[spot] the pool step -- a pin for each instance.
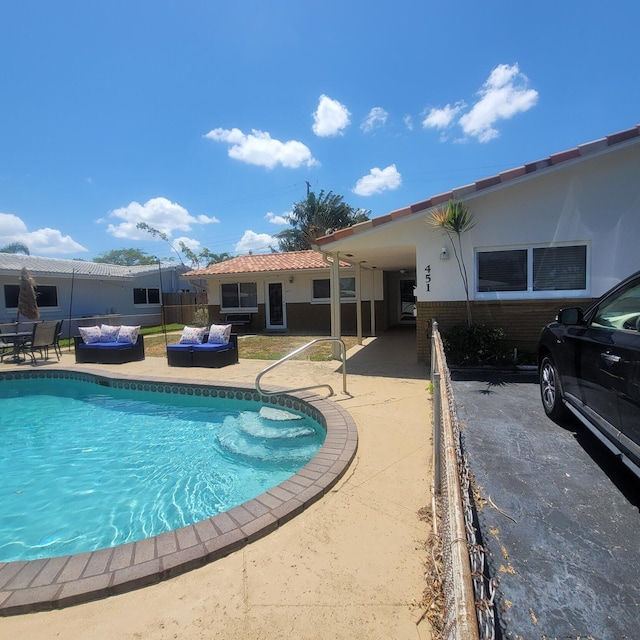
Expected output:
(276, 440)
(271, 413)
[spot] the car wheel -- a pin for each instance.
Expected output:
(550, 390)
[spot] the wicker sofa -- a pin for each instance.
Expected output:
(203, 355)
(109, 352)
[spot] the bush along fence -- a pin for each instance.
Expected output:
(469, 610)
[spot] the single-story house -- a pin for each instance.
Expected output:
(291, 292)
(81, 292)
(555, 232)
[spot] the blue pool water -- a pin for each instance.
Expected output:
(83, 467)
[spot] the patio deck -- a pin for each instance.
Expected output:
(349, 566)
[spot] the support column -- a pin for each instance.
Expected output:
(373, 301)
(336, 329)
(359, 302)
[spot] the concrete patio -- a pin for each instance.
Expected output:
(350, 566)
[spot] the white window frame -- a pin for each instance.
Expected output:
(328, 300)
(253, 309)
(530, 293)
(146, 295)
(40, 306)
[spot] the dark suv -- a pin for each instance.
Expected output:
(589, 364)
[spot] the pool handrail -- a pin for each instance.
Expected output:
(295, 352)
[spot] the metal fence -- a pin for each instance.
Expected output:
(469, 611)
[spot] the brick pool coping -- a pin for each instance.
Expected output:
(53, 583)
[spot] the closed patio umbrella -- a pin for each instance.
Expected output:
(27, 304)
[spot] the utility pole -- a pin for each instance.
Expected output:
(308, 187)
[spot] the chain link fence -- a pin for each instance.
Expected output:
(469, 611)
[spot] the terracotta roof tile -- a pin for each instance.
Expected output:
(265, 262)
(563, 156)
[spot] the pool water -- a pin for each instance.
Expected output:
(83, 467)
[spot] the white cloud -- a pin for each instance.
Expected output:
(377, 118)
(11, 228)
(503, 95)
(255, 242)
(190, 243)
(261, 149)
(276, 219)
(378, 180)
(330, 118)
(408, 122)
(159, 213)
(442, 118)
(45, 241)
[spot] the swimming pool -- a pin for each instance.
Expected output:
(110, 465)
(68, 579)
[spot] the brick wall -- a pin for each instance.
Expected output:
(315, 319)
(521, 320)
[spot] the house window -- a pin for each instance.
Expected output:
(502, 270)
(46, 296)
(322, 289)
(146, 296)
(239, 296)
(532, 269)
(560, 268)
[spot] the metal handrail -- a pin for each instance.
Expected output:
(294, 353)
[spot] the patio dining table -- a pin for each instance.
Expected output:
(18, 338)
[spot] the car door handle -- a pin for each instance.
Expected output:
(610, 358)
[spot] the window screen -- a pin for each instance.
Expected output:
(502, 270)
(139, 296)
(239, 295)
(46, 295)
(559, 268)
(322, 289)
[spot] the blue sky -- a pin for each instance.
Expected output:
(207, 119)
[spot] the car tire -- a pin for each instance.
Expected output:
(551, 390)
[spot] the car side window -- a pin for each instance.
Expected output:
(620, 311)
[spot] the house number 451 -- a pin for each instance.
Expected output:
(427, 277)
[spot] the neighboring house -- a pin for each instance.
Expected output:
(88, 292)
(290, 292)
(552, 233)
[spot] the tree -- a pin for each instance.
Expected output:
(16, 247)
(318, 216)
(456, 219)
(205, 256)
(126, 257)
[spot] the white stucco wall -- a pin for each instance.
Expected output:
(301, 289)
(594, 200)
(96, 296)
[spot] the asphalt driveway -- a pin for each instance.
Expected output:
(559, 515)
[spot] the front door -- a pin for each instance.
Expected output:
(407, 301)
(276, 310)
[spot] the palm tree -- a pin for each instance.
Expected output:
(456, 219)
(15, 247)
(318, 216)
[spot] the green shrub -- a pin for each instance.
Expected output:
(476, 345)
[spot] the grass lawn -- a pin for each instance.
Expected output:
(258, 347)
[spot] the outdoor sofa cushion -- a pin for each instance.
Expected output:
(109, 333)
(192, 335)
(90, 335)
(219, 334)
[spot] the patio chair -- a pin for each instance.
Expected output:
(43, 337)
(5, 348)
(56, 342)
